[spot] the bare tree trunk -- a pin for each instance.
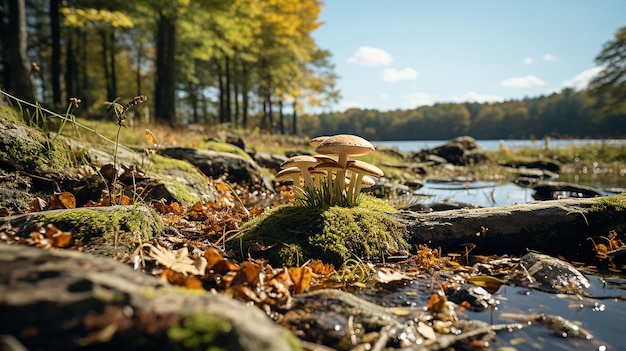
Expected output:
(294, 127)
(245, 91)
(165, 87)
(222, 94)
(56, 51)
(228, 85)
(113, 77)
(281, 118)
(105, 65)
(20, 80)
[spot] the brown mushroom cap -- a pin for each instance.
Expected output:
(367, 181)
(345, 144)
(291, 173)
(317, 140)
(365, 168)
(303, 162)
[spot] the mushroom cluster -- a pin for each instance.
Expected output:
(332, 177)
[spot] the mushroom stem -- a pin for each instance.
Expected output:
(341, 173)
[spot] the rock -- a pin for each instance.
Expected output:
(561, 190)
(108, 230)
(556, 227)
(236, 140)
(216, 164)
(269, 161)
(551, 274)
(67, 300)
(460, 151)
(477, 297)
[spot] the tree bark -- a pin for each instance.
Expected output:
(557, 227)
(56, 52)
(20, 81)
(165, 87)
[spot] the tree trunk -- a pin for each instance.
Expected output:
(236, 117)
(294, 128)
(270, 114)
(165, 87)
(222, 93)
(20, 81)
(281, 118)
(557, 227)
(228, 85)
(71, 65)
(105, 65)
(113, 77)
(244, 117)
(56, 52)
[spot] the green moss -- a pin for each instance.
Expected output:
(201, 332)
(616, 203)
(87, 223)
(225, 147)
(333, 235)
(180, 178)
(32, 148)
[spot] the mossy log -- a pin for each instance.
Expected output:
(67, 300)
(557, 227)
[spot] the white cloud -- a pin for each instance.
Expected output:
(368, 56)
(472, 96)
(523, 82)
(528, 60)
(549, 57)
(581, 80)
(414, 100)
(393, 75)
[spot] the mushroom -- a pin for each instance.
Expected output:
(317, 175)
(344, 145)
(329, 167)
(303, 162)
(291, 173)
(361, 169)
(317, 140)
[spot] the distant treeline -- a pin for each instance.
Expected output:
(567, 114)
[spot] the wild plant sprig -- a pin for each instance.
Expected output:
(77, 124)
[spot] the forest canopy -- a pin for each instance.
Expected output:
(255, 65)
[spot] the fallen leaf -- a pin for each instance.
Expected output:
(178, 260)
(301, 277)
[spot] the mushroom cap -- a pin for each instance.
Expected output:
(345, 144)
(325, 158)
(287, 173)
(317, 140)
(358, 166)
(368, 181)
(332, 165)
(300, 161)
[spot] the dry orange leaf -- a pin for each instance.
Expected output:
(64, 200)
(38, 204)
(213, 257)
(250, 272)
(301, 277)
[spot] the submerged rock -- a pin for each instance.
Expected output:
(560, 190)
(551, 274)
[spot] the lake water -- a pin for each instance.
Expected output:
(494, 144)
(603, 317)
(492, 194)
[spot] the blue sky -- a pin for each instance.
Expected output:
(401, 54)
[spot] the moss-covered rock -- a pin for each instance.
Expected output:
(333, 235)
(106, 222)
